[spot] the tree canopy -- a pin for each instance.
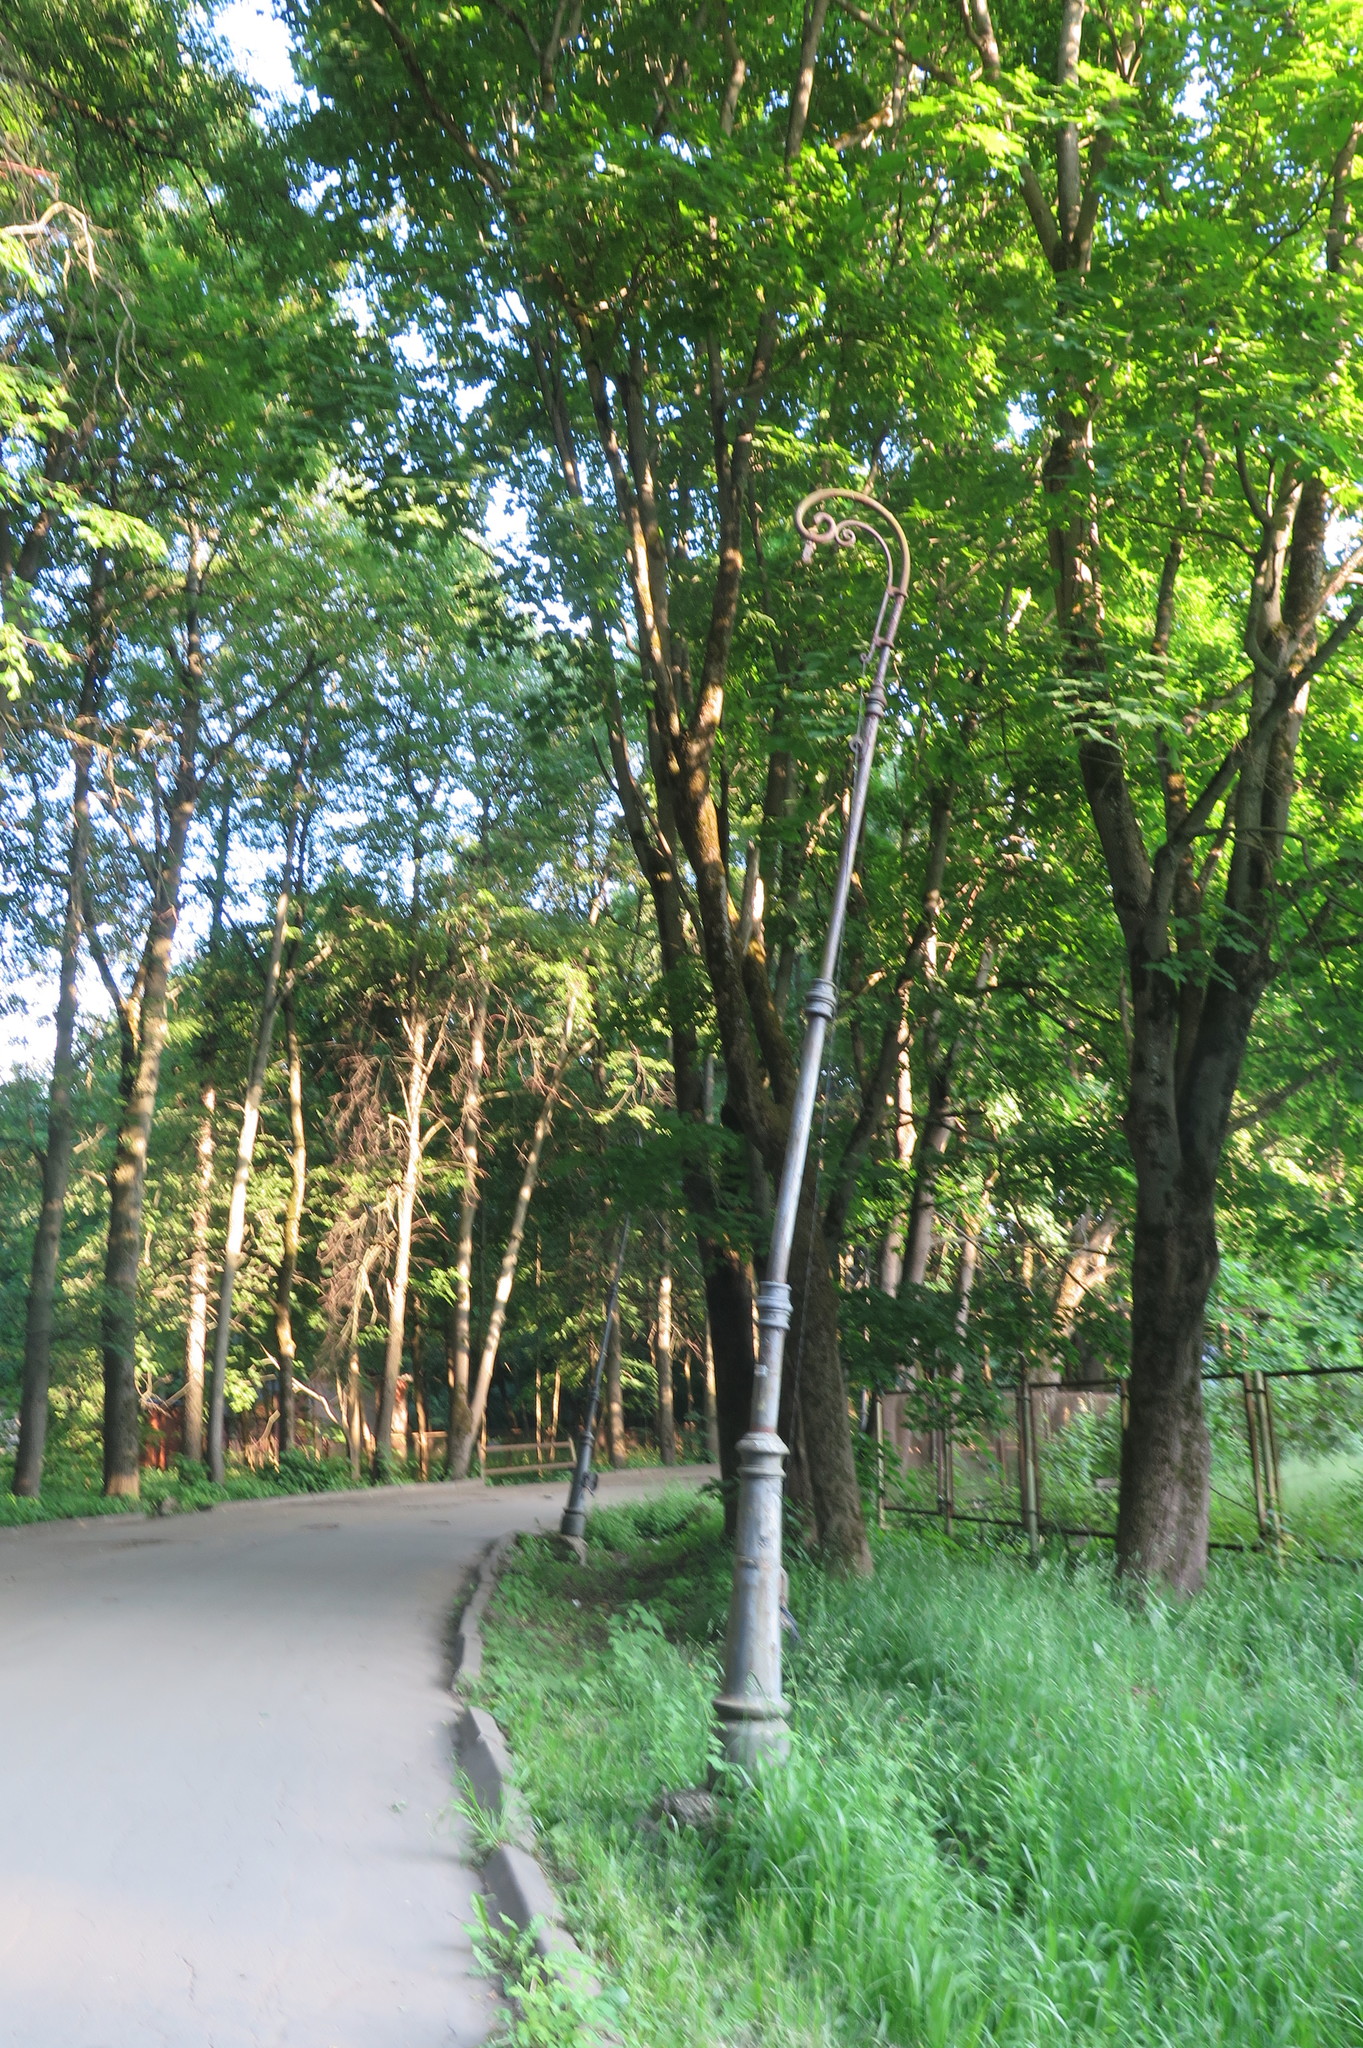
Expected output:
(420, 722)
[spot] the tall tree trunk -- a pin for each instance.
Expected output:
(814, 1399)
(615, 1400)
(1164, 1503)
(420, 1063)
(935, 1133)
(902, 1139)
(61, 1122)
(469, 1129)
(196, 1325)
(711, 1410)
(506, 1278)
(285, 1348)
(355, 1415)
(730, 1357)
(147, 1032)
(667, 1428)
(250, 1124)
(729, 1306)
(1083, 1273)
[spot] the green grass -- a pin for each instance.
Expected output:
(74, 1492)
(1016, 1813)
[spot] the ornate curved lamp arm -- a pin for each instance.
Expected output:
(819, 526)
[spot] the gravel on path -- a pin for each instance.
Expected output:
(225, 1772)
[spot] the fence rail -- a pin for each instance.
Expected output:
(532, 1464)
(1010, 1466)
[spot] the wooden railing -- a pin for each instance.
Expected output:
(527, 1461)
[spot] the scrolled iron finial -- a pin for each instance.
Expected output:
(818, 525)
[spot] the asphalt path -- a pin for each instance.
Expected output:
(225, 1773)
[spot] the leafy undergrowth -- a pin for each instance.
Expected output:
(73, 1494)
(1015, 1814)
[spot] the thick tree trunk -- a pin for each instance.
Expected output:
(61, 1122)
(285, 1349)
(196, 1325)
(458, 1360)
(144, 1042)
(1165, 1497)
(128, 1174)
(127, 1186)
(814, 1400)
(418, 1075)
(729, 1303)
(667, 1427)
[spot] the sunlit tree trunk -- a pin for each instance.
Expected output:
(469, 1128)
(463, 1447)
(711, 1418)
(285, 1348)
(354, 1408)
(667, 1428)
(250, 1125)
(196, 1325)
(423, 1052)
(615, 1399)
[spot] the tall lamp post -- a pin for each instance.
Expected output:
(751, 1710)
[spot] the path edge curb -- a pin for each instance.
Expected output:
(513, 1878)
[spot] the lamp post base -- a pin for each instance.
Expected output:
(753, 1732)
(751, 1711)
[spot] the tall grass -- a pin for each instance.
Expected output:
(1015, 1814)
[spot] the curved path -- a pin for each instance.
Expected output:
(225, 1773)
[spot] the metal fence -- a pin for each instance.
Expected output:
(1287, 1462)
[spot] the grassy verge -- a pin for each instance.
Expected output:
(76, 1493)
(1015, 1814)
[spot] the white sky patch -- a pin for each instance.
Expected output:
(28, 1035)
(259, 43)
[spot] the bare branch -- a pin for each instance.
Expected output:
(1267, 1104)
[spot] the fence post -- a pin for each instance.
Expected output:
(1271, 1473)
(880, 1461)
(1255, 1453)
(1027, 1468)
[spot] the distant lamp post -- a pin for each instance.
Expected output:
(574, 1522)
(751, 1710)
